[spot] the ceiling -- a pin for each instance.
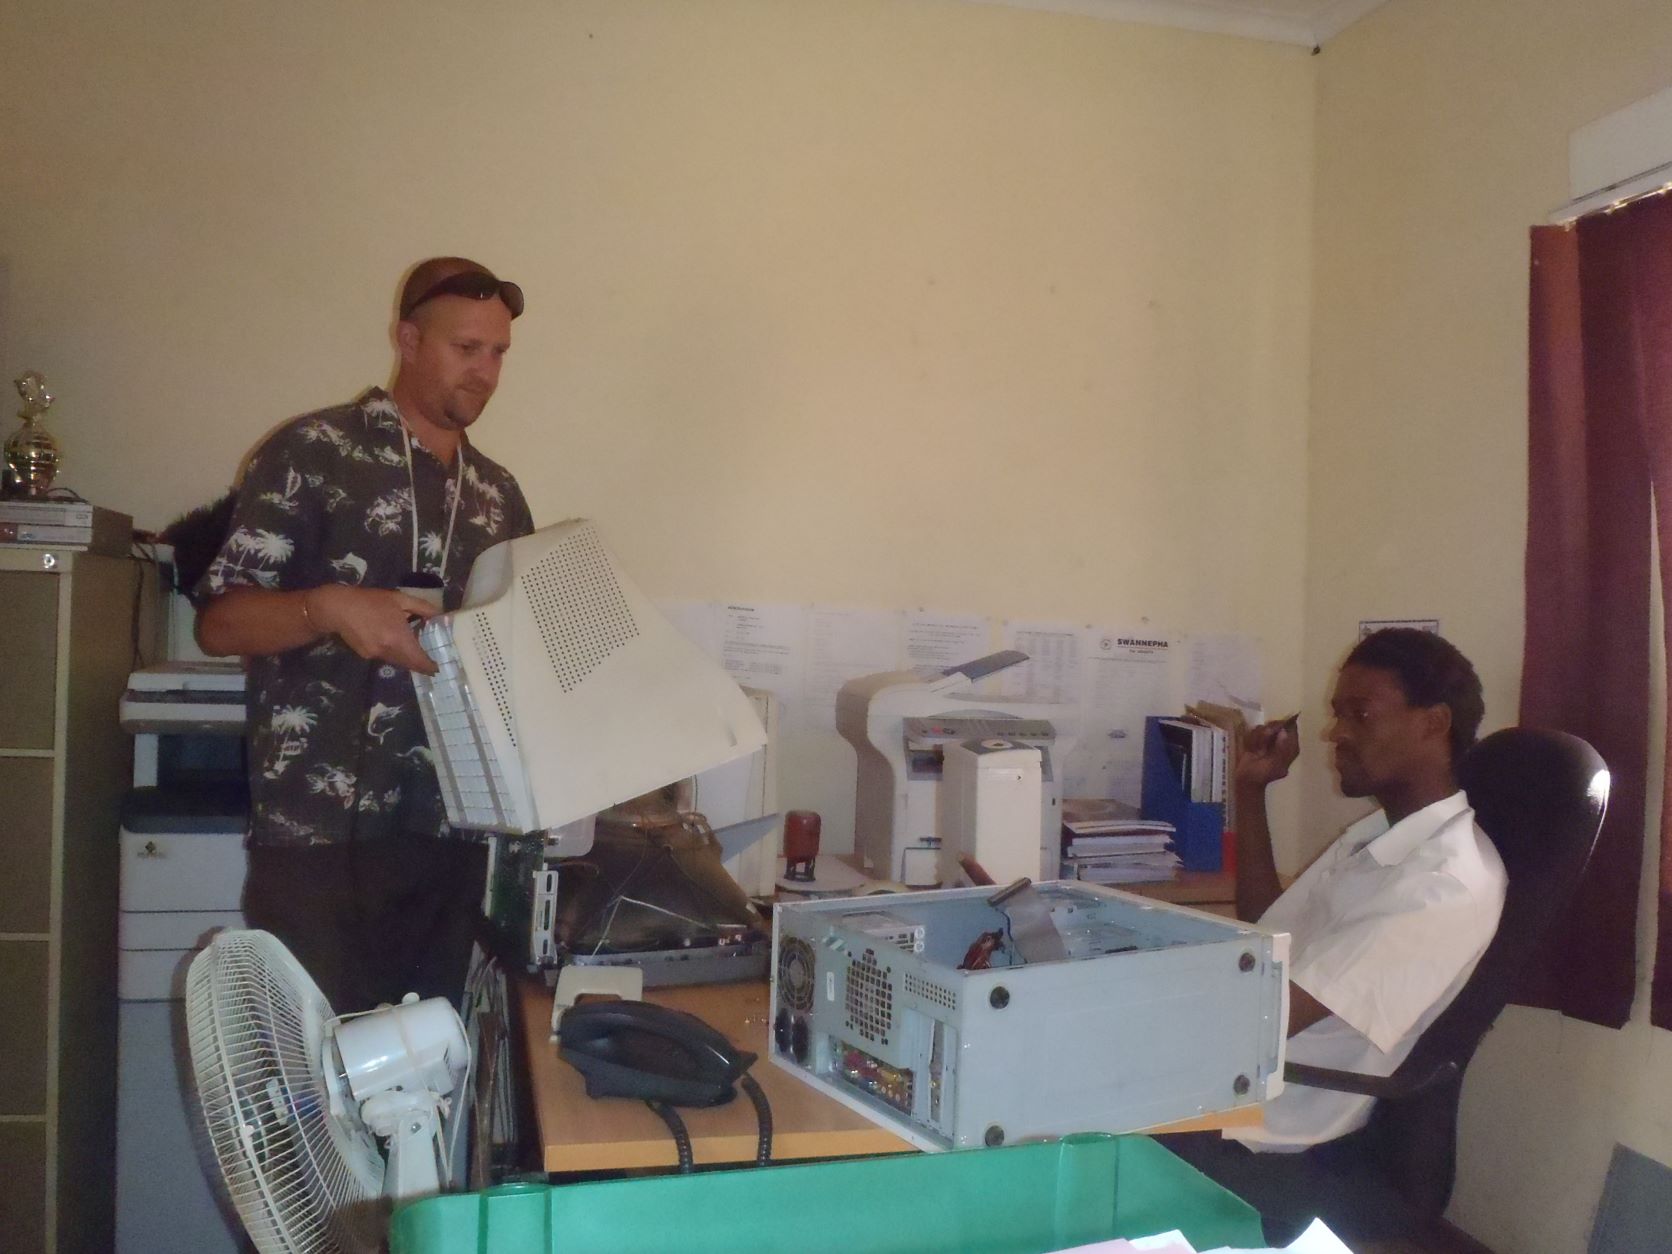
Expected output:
(1310, 23)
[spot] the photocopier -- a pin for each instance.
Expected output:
(181, 870)
(910, 728)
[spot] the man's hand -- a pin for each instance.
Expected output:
(374, 622)
(1268, 751)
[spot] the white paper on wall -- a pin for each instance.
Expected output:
(843, 644)
(1126, 678)
(764, 646)
(1052, 671)
(1111, 678)
(942, 641)
(1225, 669)
(697, 621)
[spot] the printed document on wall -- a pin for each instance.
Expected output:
(1052, 671)
(942, 641)
(843, 644)
(1127, 678)
(697, 621)
(764, 646)
(1225, 669)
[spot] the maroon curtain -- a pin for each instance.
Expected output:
(1651, 274)
(1600, 442)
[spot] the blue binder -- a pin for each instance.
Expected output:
(1199, 826)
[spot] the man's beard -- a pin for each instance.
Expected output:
(465, 407)
(1350, 779)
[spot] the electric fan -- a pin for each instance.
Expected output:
(293, 1097)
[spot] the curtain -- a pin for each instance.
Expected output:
(1600, 450)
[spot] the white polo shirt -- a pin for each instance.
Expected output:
(1386, 927)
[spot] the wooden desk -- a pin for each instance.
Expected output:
(1212, 891)
(578, 1133)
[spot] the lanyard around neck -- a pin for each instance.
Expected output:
(452, 513)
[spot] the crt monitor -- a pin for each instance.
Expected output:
(562, 691)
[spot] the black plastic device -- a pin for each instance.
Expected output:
(638, 1049)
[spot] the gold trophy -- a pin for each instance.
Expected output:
(32, 456)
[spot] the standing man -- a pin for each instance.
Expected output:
(1388, 924)
(350, 524)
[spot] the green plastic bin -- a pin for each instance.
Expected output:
(1026, 1198)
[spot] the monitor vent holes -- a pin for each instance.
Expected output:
(579, 607)
(493, 663)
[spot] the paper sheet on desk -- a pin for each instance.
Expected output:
(1163, 1243)
(1317, 1239)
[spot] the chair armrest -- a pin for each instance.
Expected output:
(1395, 1086)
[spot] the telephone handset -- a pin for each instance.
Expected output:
(639, 1049)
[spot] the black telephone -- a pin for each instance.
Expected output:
(638, 1049)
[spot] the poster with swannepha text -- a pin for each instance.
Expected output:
(1128, 676)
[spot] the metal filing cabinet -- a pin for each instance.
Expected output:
(70, 625)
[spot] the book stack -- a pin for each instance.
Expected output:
(1105, 842)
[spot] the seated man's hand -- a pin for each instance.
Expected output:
(1268, 751)
(374, 622)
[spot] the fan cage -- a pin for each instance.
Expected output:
(302, 1179)
(795, 973)
(870, 997)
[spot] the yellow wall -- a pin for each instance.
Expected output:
(1442, 136)
(878, 302)
(821, 288)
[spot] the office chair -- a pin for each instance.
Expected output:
(1539, 796)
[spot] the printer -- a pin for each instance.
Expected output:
(900, 724)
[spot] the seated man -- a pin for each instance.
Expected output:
(1386, 925)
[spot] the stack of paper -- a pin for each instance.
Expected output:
(1123, 868)
(1105, 842)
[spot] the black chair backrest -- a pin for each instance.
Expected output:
(1539, 796)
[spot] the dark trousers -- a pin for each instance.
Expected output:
(1329, 1181)
(372, 920)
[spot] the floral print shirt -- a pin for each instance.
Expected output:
(336, 742)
